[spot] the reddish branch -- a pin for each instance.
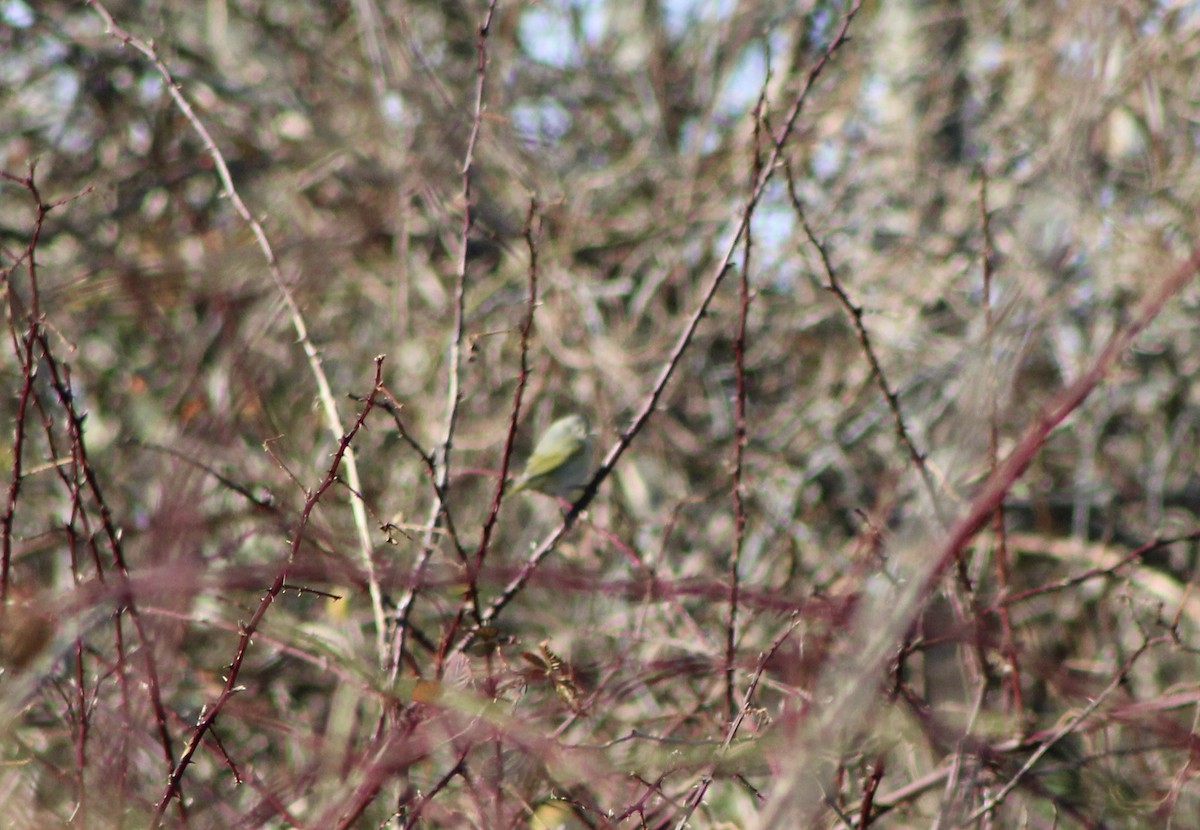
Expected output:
(36, 349)
(210, 713)
(1009, 645)
(739, 407)
(992, 494)
(489, 523)
(453, 392)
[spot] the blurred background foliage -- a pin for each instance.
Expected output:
(346, 125)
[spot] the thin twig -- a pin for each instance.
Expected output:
(333, 420)
(1072, 581)
(454, 367)
(739, 415)
(510, 439)
(855, 312)
(82, 478)
(683, 341)
(1061, 732)
(1009, 644)
(246, 633)
(702, 786)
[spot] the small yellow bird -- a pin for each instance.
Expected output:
(561, 460)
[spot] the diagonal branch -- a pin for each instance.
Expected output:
(773, 161)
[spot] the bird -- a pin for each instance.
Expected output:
(561, 460)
